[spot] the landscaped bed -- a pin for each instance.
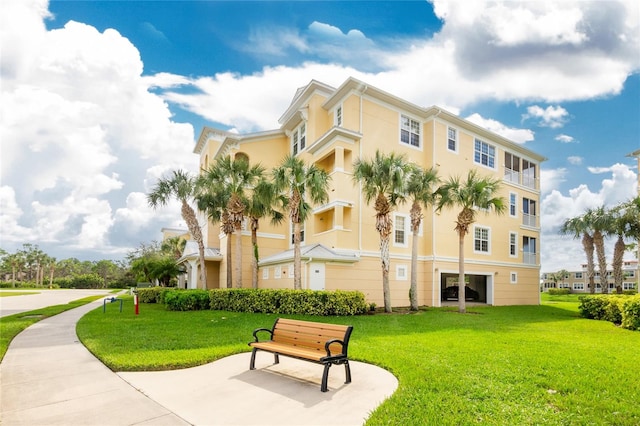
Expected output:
(494, 365)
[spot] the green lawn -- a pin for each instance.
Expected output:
(16, 293)
(517, 365)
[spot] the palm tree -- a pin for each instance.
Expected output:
(235, 178)
(173, 246)
(600, 222)
(383, 180)
(181, 186)
(420, 188)
(471, 194)
(580, 227)
(625, 223)
(296, 181)
(265, 202)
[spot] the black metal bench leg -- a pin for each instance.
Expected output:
(252, 364)
(276, 358)
(347, 371)
(325, 378)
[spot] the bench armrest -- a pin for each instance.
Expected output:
(330, 342)
(256, 331)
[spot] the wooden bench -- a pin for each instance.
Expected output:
(317, 342)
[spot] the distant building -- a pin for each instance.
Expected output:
(578, 282)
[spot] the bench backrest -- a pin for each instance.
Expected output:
(312, 335)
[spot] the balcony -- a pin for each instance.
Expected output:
(529, 258)
(530, 220)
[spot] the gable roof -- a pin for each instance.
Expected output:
(317, 252)
(190, 252)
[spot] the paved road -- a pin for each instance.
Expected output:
(10, 305)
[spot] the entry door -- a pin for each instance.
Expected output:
(316, 274)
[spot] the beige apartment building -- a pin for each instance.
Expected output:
(331, 128)
(578, 281)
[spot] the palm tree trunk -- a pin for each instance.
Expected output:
(462, 308)
(254, 257)
(413, 292)
(598, 241)
(587, 244)
(297, 257)
(229, 263)
(618, 255)
(384, 257)
(194, 228)
(238, 258)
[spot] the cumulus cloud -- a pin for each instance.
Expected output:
(575, 160)
(516, 135)
(564, 138)
(550, 116)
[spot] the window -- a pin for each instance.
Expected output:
(401, 272)
(277, 272)
(513, 204)
(291, 271)
(578, 286)
(481, 239)
(513, 244)
(265, 273)
(529, 212)
(299, 139)
(511, 167)
(513, 277)
(452, 139)
(528, 174)
(628, 286)
(484, 154)
(578, 275)
(409, 131)
(400, 223)
(529, 250)
(338, 117)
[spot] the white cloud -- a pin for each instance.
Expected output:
(564, 138)
(550, 179)
(575, 160)
(550, 116)
(516, 135)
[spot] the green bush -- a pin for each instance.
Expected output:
(292, 302)
(559, 291)
(631, 313)
(87, 281)
(151, 294)
(593, 307)
(186, 300)
(613, 309)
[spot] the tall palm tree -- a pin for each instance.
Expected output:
(383, 180)
(297, 181)
(265, 202)
(182, 186)
(579, 227)
(421, 189)
(236, 178)
(600, 222)
(475, 192)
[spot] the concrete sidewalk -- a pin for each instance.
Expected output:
(48, 377)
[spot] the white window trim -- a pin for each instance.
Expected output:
(515, 195)
(513, 277)
(407, 229)
(338, 116)
(290, 271)
(456, 139)
(265, 273)
(488, 252)
(515, 255)
(495, 154)
(420, 130)
(402, 273)
(277, 272)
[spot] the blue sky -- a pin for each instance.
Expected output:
(99, 99)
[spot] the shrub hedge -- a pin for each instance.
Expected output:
(186, 300)
(559, 291)
(280, 301)
(618, 309)
(151, 294)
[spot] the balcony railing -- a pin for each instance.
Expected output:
(530, 220)
(529, 258)
(511, 175)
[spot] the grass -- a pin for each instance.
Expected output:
(16, 293)
(11, 325)
(510, 365)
